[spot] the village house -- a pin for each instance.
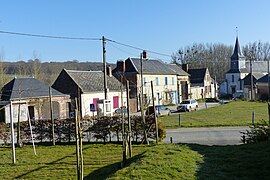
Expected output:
(166, 81)
(88, 88)
(202, 84)
(30, 97)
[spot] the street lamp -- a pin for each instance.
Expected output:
(143, 56)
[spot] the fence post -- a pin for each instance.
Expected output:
(179, 120)
(252, 118)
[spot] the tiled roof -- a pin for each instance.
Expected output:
(93, 81)
(152, 66)
(26, 88)
(178, 70)
(257, 66)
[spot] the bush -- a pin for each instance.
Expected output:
(257, 133)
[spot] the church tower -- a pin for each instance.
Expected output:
(237, 72)
(237, 59)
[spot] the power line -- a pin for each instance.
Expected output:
(138, 48)
(81, 38)
(49, 36)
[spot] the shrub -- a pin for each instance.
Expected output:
(257, 133)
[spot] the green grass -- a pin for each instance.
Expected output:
(237, 113)
(163, 161)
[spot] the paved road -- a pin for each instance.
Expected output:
(206, 136)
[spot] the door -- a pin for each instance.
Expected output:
(31, 112)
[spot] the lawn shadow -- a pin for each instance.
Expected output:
(107, 171)
(41, 167)
(233, 161)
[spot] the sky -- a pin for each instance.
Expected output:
(154, 25)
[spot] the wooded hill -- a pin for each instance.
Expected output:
(44, 71)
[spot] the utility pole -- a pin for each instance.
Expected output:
(268, 80)
(251, 78)
(51, 113)
(143, 56)
(104, 67)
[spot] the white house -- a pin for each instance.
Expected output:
(88, 88)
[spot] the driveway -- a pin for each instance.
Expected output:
(206, 135)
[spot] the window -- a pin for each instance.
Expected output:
(172, 80)
(156, 81)
(232, 78)
(144, 81)
(166, 80)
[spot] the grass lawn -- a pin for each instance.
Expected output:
(238, 113)
(163, 161)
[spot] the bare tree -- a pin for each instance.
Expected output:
(3, 76)
(215, 57)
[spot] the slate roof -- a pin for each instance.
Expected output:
(244, 70)
(197, 75)
(28, 88)
(178, 70)
(263, 79)
(93, 81)
(152, 67)
(247, 79)
(237, 50)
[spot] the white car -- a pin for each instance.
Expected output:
(188, 105)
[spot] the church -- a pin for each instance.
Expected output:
(241, 78)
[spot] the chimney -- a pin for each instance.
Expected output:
(185, 67)
(121, 66)
(109, 71)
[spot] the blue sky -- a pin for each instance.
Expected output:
(156, 25)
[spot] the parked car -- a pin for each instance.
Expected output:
(188, 105)
(160, 110)
(120, 110)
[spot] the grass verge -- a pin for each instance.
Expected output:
(238, 113)
(163, 161)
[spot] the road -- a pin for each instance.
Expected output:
(206, 136)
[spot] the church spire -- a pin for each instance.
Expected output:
(237, 51)
(237, 59)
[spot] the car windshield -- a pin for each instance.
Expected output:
(185, 102)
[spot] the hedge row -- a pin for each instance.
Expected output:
(107, 129)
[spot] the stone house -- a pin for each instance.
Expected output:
(165, 81)
(30, 96)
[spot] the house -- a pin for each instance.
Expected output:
(240, 68)
(164, 79)
(88, 88)
(31, 96)
(183, 82)
(263, 87)
(202, 84)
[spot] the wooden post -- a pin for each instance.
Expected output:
(155, 115)
(12, 134)
(51, 113)
(129, 122)
(77, 142)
